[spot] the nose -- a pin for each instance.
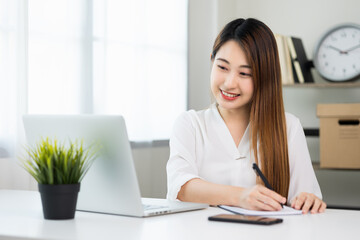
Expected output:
(230, 81)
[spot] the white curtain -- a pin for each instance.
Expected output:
(95, 57)
(13, 90)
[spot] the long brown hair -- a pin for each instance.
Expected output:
(267, 115)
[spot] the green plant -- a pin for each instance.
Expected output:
(50, 162)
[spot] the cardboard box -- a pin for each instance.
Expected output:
(339, 135)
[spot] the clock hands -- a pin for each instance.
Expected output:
(352, 48)
(346, 51)
(336, 49)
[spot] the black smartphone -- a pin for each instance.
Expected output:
(245, 219)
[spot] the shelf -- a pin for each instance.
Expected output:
(323, 85)
(317, 167)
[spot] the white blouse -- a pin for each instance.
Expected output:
(201, 146)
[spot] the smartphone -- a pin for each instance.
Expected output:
(245, 219)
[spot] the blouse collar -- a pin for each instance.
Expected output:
(238, 152)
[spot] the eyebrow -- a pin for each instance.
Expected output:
(226, 61)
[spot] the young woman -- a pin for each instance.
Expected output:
(212, 151)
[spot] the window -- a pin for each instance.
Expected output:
(109, 57)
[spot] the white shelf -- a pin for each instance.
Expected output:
(323, 85)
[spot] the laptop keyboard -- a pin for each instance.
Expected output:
(151, 207)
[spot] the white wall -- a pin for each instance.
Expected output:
(150, 165)
(307, 19)
(202, 32)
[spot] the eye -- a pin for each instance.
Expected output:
(222, 67)
(244, 74)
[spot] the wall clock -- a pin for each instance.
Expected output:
(337, 54)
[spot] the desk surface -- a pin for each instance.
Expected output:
(21, 218)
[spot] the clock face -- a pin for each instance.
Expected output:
(337, 56)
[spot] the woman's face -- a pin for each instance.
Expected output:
(231, 77)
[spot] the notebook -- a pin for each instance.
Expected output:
(285, 211)
(111, 184)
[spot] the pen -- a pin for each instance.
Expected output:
(263, 178)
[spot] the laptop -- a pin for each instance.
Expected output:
(110, 186)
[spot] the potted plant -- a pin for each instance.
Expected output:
(58, 169)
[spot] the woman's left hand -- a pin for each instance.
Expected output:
(308, 201)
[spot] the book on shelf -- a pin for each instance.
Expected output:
(294, 60)
(287, 76)
(295, 67)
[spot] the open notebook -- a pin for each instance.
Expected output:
(285, 211)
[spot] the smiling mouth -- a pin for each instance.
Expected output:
(230, 95)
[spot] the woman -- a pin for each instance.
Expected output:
(212, 151)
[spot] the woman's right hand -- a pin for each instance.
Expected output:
(261, 198)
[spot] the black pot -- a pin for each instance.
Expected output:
(59, 201)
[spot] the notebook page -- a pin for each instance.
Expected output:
(285, 211)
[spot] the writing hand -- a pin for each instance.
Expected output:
(261, 198)
(307, 201)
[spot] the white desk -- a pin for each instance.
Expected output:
(21, 218)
